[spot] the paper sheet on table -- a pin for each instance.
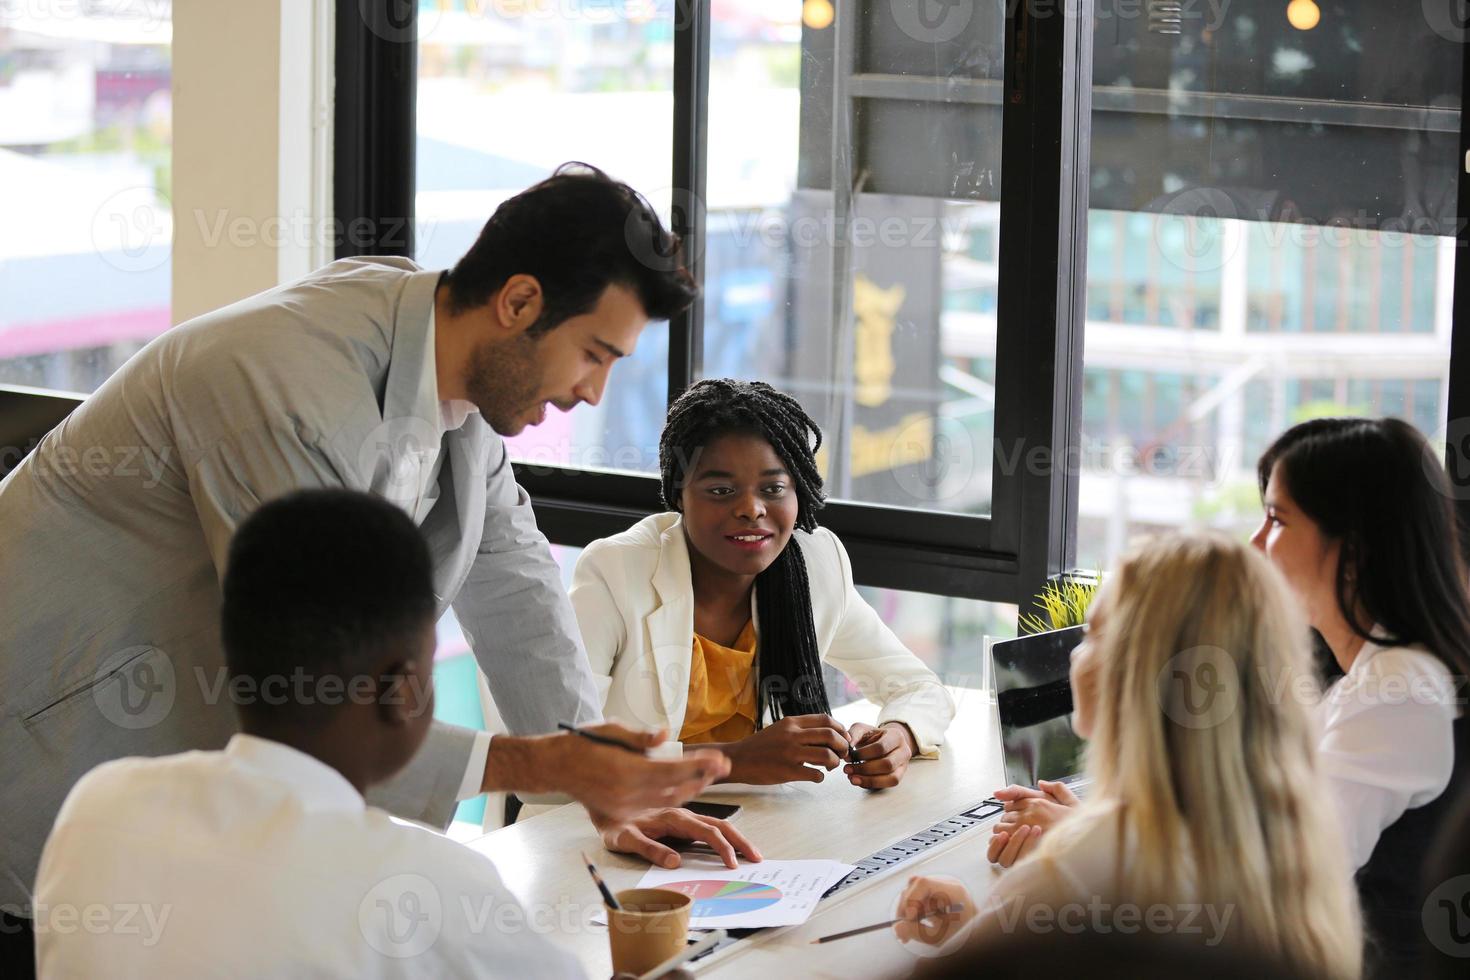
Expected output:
(752, 896)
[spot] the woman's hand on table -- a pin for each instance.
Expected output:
(882, 753)
(1028, 813)
(933, 910)
(786, 751)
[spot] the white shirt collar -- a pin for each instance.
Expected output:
(454, 411)
(317, 785)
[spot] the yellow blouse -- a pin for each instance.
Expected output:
(721, 690)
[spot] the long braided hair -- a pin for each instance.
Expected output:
(788, 663)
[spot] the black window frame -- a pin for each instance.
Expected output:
(1030, 535)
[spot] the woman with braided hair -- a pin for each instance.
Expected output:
(714, 620)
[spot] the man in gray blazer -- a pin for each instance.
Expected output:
(370, 374)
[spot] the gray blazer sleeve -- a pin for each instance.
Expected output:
(257, 465)
(426, 790)
(518, 620)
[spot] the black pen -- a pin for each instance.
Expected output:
(607, 896)
(599, 739)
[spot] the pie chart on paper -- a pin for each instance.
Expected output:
(717, 898)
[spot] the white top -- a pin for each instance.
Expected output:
(634, 601)
(263, 861)
(1388, 740)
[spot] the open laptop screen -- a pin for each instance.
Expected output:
(1034, 704)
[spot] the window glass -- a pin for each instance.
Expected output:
(85, 166)
(506, 93)
(873, 309)
(1270, 240)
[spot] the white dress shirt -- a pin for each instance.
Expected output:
(1387, 740)
(262, 861)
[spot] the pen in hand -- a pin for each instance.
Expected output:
(861, 930)
(599, 739)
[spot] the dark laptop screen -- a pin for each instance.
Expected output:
(1034, 702)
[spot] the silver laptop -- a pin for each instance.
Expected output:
(1033, 693)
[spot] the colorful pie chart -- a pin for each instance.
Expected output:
(716, 898)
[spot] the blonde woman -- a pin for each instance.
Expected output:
(1205, 797)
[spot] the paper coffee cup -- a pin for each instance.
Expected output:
(651, 926)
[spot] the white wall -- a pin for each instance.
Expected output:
(251, 155)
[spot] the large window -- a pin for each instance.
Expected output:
(867, 291)
(1216, 221)
(1271, 239)
(506, 93)
(85, 159)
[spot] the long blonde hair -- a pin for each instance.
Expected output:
(1201, 741)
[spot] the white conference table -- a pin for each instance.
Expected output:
(539, 861)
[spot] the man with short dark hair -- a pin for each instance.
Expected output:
(372, 375)
(263, 859)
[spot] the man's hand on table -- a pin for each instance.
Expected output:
(603, 778)
(639, 835)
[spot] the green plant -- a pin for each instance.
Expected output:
(1063, 604)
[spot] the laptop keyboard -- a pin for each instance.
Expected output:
(916, 844)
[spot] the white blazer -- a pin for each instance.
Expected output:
(635, 604)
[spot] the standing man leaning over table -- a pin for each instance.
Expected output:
(370, 374)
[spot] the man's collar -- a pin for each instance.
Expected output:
(318, 786)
